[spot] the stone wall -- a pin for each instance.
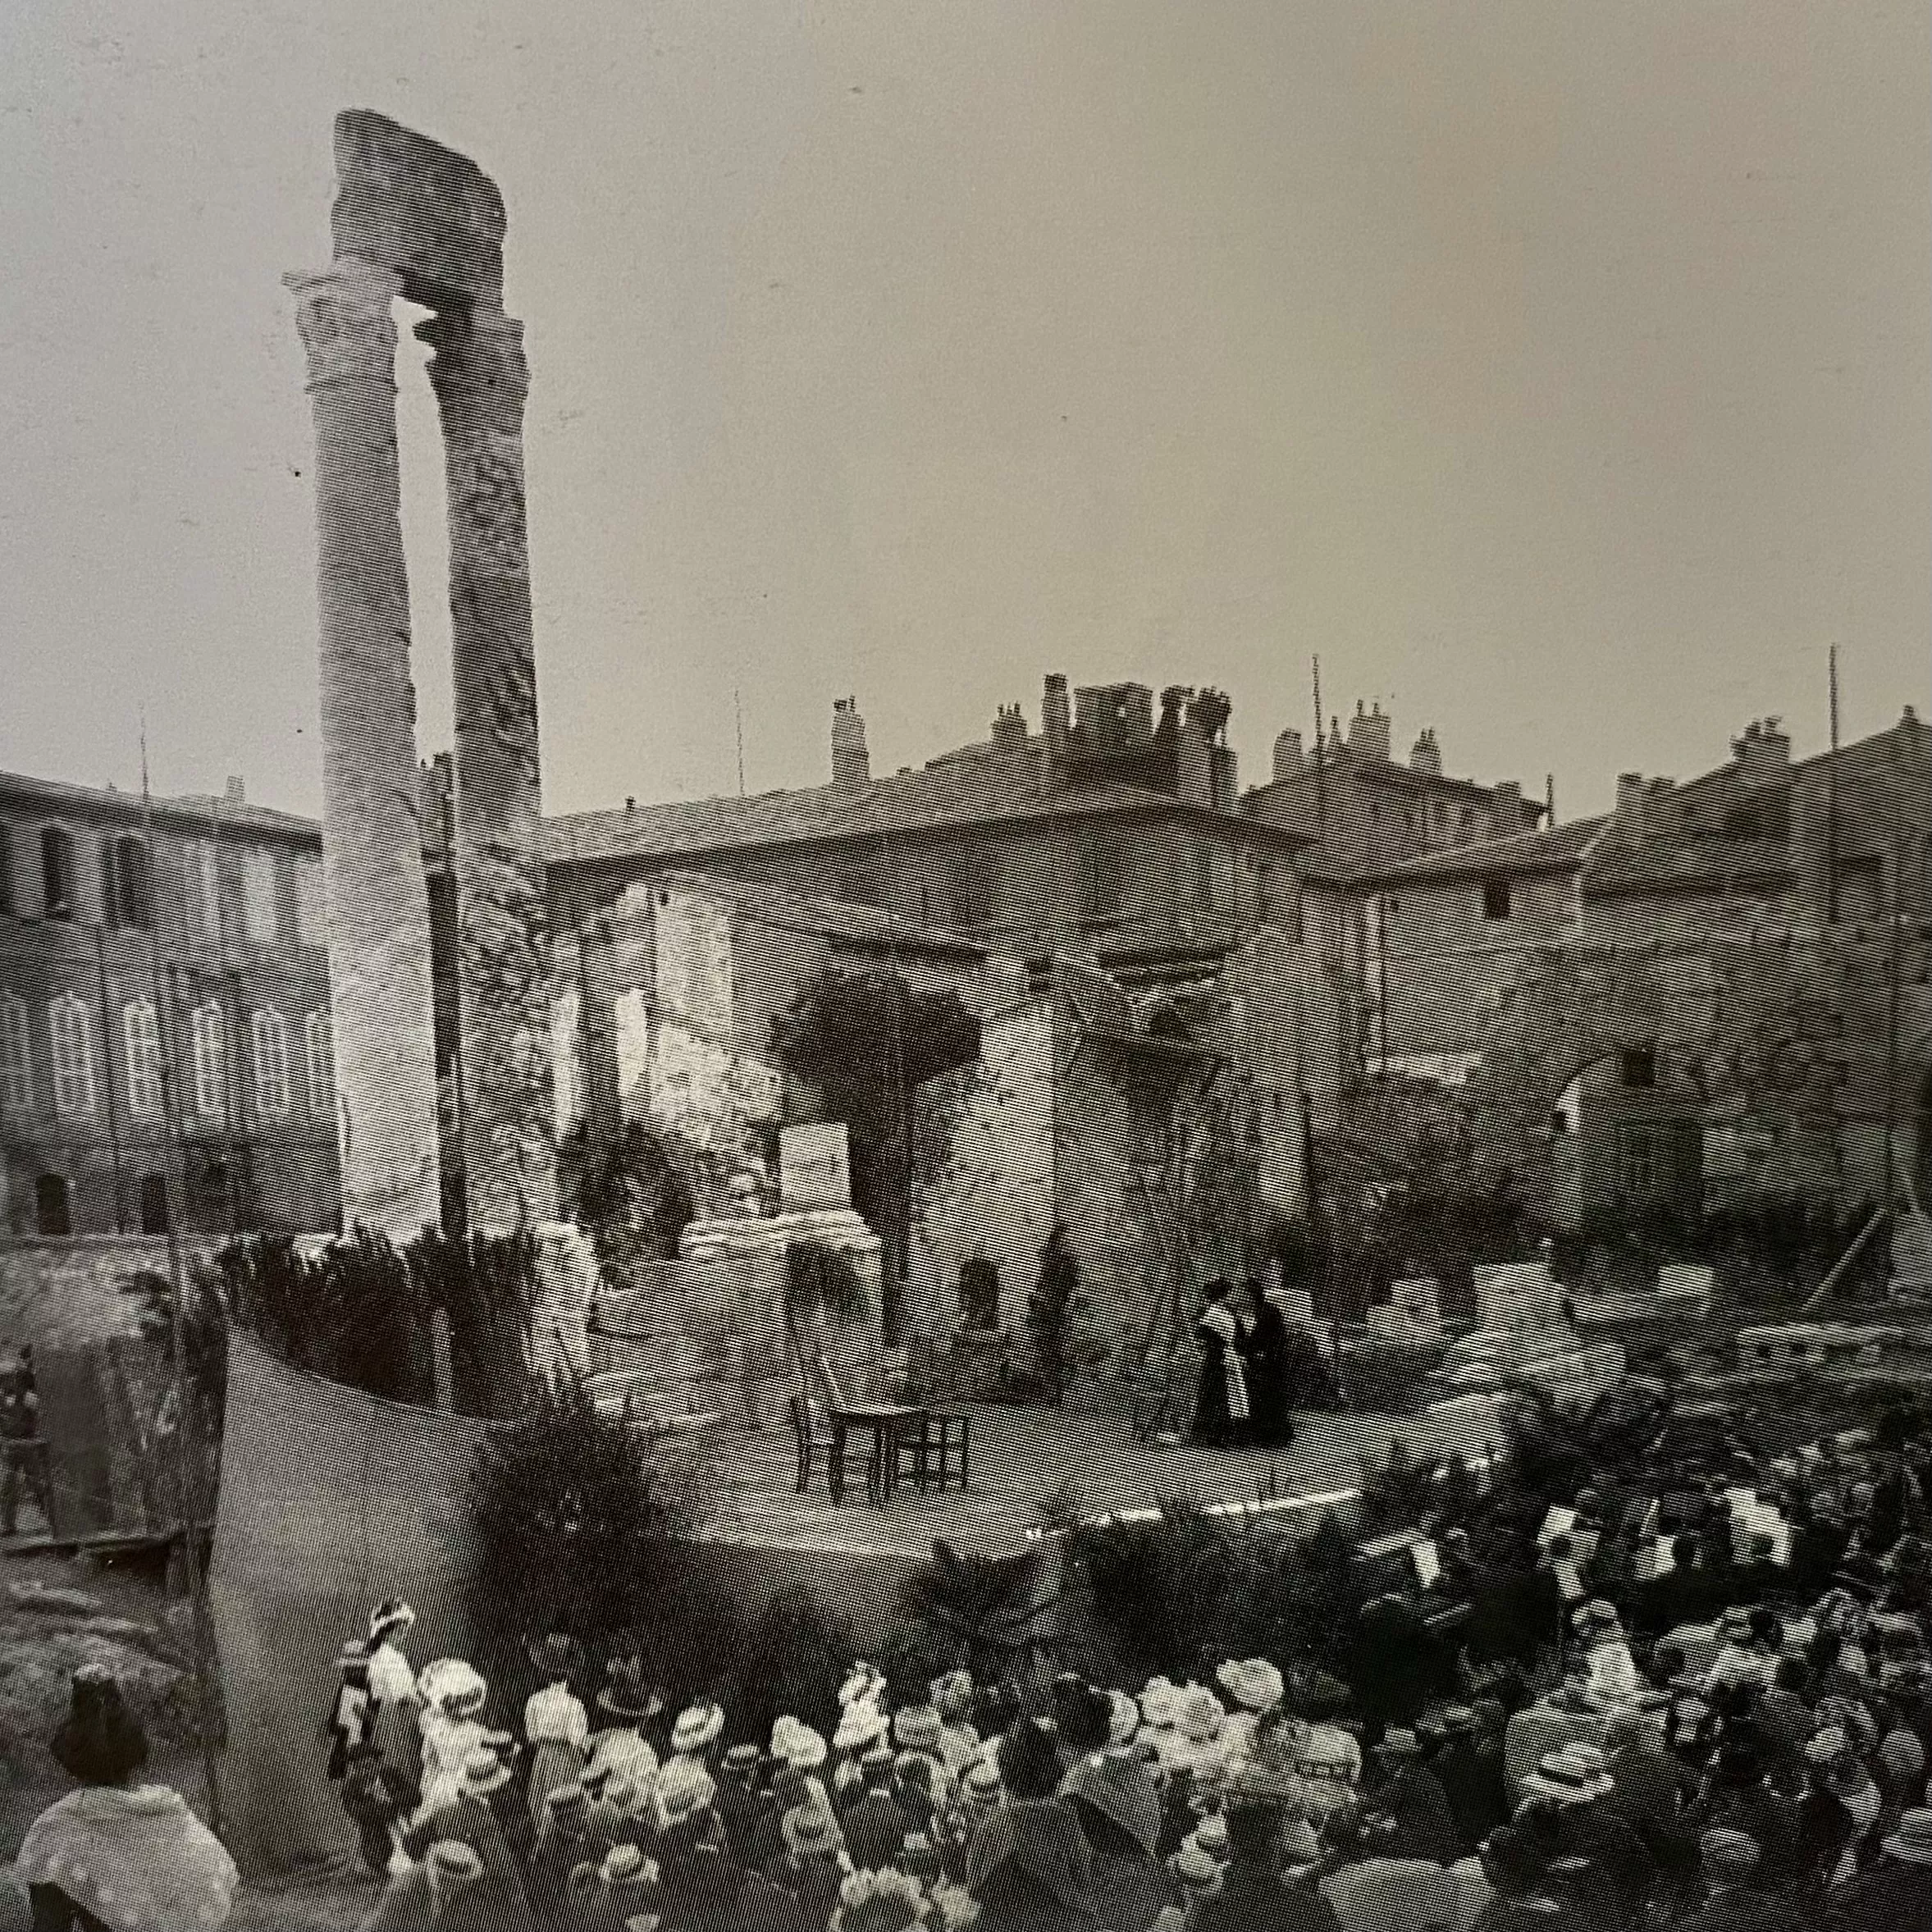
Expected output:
(66, 1294)
(994, 1196)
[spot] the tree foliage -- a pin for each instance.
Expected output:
(866, 1042)
(986, 1611)
(576, 1525)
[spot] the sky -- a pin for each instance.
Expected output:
(1560, 372)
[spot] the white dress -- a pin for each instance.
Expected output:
(1613, 1672)
(557, 1727)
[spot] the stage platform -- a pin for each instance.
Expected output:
(1025, 1459)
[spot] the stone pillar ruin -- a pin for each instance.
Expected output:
(378, 910)
(414, 219)
(509, 1133)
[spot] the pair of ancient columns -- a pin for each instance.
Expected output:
(372, 838)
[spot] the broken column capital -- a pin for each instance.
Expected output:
(345, 313)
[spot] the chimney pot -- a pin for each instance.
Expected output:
(237, 792)
(1369, 734)
(1287, 754)
(851, 764)
(1505, 809)
(1427, 756)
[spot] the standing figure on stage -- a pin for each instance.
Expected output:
(1221, 1404)
(1265, 1364)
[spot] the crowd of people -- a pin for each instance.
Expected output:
(1633, 1706)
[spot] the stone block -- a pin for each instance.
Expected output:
(815, 1168)
(409, 204)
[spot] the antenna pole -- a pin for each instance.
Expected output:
(187, 1407)
(1321, 760)
(738, 717)
(1831, 814)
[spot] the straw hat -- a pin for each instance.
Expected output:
(567, 1802)
(798, 1745)
(1210, 1835)
(1123, 1718)
(684, 1789)
(1458, 1720)
(1569, 1777)
(859, 1724)
(1253, 1682)
(460, 1689)
(742, 1760)
(483, 1772)
(1399, 1743)
(625, 1865)
(1202, 1714)
(391, 1617)
(627, 1695)
(917, 1728)
(354, 1655)
(810, 1831)
(1828, 1746)
(451, 1859)
(697, 1726)
(1198, 1875)
(1912, 1841)
(1160, 1704)
(981, 1779)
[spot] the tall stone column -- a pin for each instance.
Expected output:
(378, 905)
(509, 1124)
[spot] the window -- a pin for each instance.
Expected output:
(72, 1031)
(1468, 822)
(127, 897)
(1149, 1126)
(322, 1066)
(1495, 899)
(1639, 1067)
(142, 1039)
(56, 872)
(154, 1203)
(1264, 892)
(16, 1065)
(272, 1064)
(209, 1033)
(259, 877)
(6, 868)
(53, 1204)
(972, 887)
(311, 927)
(1637, 1162)
(1101, 869)
(202, 878)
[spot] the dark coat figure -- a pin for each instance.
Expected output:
(1472, 1781)
(1266, 1358)
(1418, 1808)
(1253, 1899)
(1220, 1413)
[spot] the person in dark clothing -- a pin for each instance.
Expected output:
(1523, 1901)
(741, 1806)
(874, 1827)
(1221, 1399)
(1898, 1892)
(1029, 1866)
(1741, 1800)
(1253, 1896)
(1265, 1350)
(1412, 1799)
(1735, 1896)
(1471, 1778)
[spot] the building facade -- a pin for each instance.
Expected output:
(1720, 990)
(208, 938)
(1109, 833)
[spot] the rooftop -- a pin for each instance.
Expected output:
(995, 788)
(832, 918)
(1559, 848)
(189, 812)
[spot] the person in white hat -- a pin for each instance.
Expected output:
(1565, 1816)
(1255, 1685)
(1201, 1720)
(698, 1728)
(1611, 1671)
(556, 1724)
(959, 1739)
(393, 1701)
(627, 1703)
(445, 1893)
(451, 1727)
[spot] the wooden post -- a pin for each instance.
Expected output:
(439, 1348)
